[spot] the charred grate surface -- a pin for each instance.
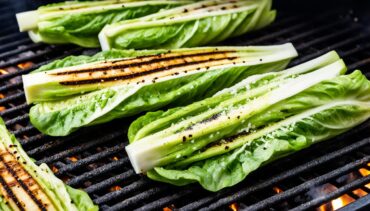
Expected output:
(94, 158)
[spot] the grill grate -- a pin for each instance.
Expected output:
(98, 163)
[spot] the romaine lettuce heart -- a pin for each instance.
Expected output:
(80, 22)
(67, 109)
(197, 24)
(33, 187)
(218, 141)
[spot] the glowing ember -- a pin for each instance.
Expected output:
(3, 72)
(277, 190)
(115, 158)
(364, 172)
(115, 188)
(25, 65)
(336, 203)
(54, 169)
(341, 201)
(2, 108)
(234, 207)
(359, 192)
(73, 159)
(169, 208)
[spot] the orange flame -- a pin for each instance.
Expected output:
(341, 201)
(2, 108)
(359, 192)
(54, 169)
(277, 189)
(3, 72)
(73, 159)
(336, 203)
(364, 172)
(25, 65)
(115, 188)
(115, 158)
(234, 207)
(169, 208)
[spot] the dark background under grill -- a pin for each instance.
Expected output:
(94, 158)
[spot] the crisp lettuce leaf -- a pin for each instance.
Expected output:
(51, 191)
(232, 167)
(197, 24)
(80, 22)
(194, 132)
(220, 140)
(61, 117)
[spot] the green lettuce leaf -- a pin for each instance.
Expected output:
(220, 140)
(51, 191)
(80, 22)
(61, 117)
(197, 24)
(231, 168)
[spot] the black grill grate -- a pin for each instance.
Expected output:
(94, 158)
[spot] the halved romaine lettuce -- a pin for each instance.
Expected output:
(155, 66)
(179, 85)
(80, 22)
(26, 186)
(197, 24)
(220, 140)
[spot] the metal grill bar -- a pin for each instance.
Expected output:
(113, 180)
(21, 72)
(80, 148)
(311, 183)
(101, 170)
(342, 190)
(107, 152)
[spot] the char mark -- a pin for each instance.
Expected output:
(22, 184)
(153, 59)
(135, 75)
(11, 194)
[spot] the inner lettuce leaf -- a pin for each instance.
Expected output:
(80, 22)
(197, 24)
(58, 195)
(61, 117)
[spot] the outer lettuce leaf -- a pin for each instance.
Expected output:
(197, 24)
(80, 23)
(53, 187)
(59, 118)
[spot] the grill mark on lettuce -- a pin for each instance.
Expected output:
(117, 65)
(12, 169)
(224, 141)
(139, 74)
(10, 193)
(213, 117)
